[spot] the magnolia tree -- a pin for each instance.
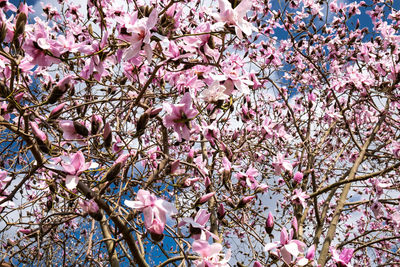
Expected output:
(200, 133)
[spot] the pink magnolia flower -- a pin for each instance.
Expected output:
(69, 132)
(4, 179)
(88, 206)
(280, 164)
(38, 42)
(199, 224)
(203, 199)
(287, 249)
(248, 178)
(342, 260)
(299, 197)
(155, 210)
(139, 35)
(396, 149)
(309, 258)
(235, 16)
(39, 134)
(179, 116)
(210, 254)
(74, 165)
(269, 225)
(298, 176)
(214, 92)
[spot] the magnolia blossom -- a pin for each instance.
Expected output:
(342, 260)
(155, 210)
(299, 197)
(179, 116)
(139, 35)
(280, 164)
(198, 225)
(214, 93)
(210, 254)
(75, 165)
(4, 179)
(235, 16)
(287, 249)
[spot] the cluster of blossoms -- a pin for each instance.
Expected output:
(217, 123)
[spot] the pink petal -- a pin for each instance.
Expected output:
(71, 181)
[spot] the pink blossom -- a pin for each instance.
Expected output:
(88, 206)
(287, 249)
(299, 197)
(4, 179)
(37, 132)
(298, 176)
(342, 260)
(74, 165)
(269, 225)
(211, 256)
(205, 198)
(69, 132)
(155, 210)
(235, 16)
(139, 35)
(280, 164)
(199, 222)
(179, 116)
(214, 93)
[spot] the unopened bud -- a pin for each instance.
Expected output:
(3, 31)
(4, 90)
(81, 129)
(107, 135)
(21, 20)
(56, 112)
(55, 94)
(244, 201)
(96, 123)
(221, 211)
(18, 97)
(269, 225)
(40, 137)
(154, 112)
(142, 123)
(60, 89)
(113, 172)
(205, 198)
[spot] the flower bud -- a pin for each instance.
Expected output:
(221, 211)
(81, 129)
(96, 123)
(113, 172)
(154, 112)
(39, 134)
(107, 135)
(21, 20)
(244, 201)
(3, 31)
(269, 225)
(142, 123)
(18, 97)
(257, 264)
(56, 112)
(40, 137)
(205, 198)
(60, 89)
(4, 90)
